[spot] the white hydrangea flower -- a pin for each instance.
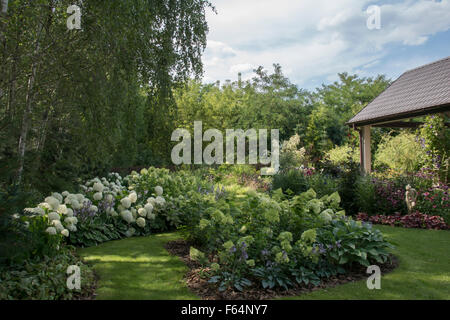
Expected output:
(98, 196)
(37, 210)
(159, 190)
(133, 212)
(72, 227)
(80, 197)
(151, 200)
(62, 209)
(148, 207)
(130, 232)
(45, 205)
(53, 202)
(58, 225)
(65, 193)
(127, 216)
(57, 196)
(70, 197)
(98, 186)
(53, 216)
(160, 201)
(109, 198)
(65, 232)
(75, 204)
(140, 222)
(144, 171)
(51, 230)
(151, 216)
(69, 212)
(70, 220)
(142, 212)
(133, 197)
(126, 202)
(94, 208)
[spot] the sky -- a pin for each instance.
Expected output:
(314, 40)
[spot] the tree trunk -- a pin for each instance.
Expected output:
(29, 100)
(4, 6)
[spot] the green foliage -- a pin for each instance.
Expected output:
(366, 198)
(292, 155)
(292, 181)
(341, 155)
(333, 106)
(44, 279)
(349, 242)
(402, 153)
(258, 237)
(434, 136)
(81, 102)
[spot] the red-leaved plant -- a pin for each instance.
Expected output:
(414, 220)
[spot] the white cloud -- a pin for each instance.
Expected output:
(313, 39)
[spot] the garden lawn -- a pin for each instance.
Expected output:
(140, 268)
(423, 273)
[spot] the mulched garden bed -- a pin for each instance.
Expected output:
(208, 291)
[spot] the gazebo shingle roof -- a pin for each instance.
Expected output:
(418, 90)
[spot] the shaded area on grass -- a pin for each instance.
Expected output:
(138, 268)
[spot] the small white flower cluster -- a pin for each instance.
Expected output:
(140, 214)
(59, 210)
(112, 185)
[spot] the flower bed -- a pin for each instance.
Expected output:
(414, 220)
(272, 243)
(197, 280)
(252, 240)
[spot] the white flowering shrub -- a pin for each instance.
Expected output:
(114, 207)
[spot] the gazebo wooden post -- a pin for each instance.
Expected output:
(364, 148)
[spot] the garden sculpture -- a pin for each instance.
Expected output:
(410, 198)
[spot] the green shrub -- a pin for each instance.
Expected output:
(358, 243)
(291, 156)
(293, 180)
(44, 278)
(365, 195)
(282, 242)
(343, 154)
(402, 153)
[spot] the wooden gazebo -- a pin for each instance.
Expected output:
(418, 92)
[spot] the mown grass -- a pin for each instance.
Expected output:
(140, 268)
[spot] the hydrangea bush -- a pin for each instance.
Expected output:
(277, 242)
(114, 207)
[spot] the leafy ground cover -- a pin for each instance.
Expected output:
(140, 268)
